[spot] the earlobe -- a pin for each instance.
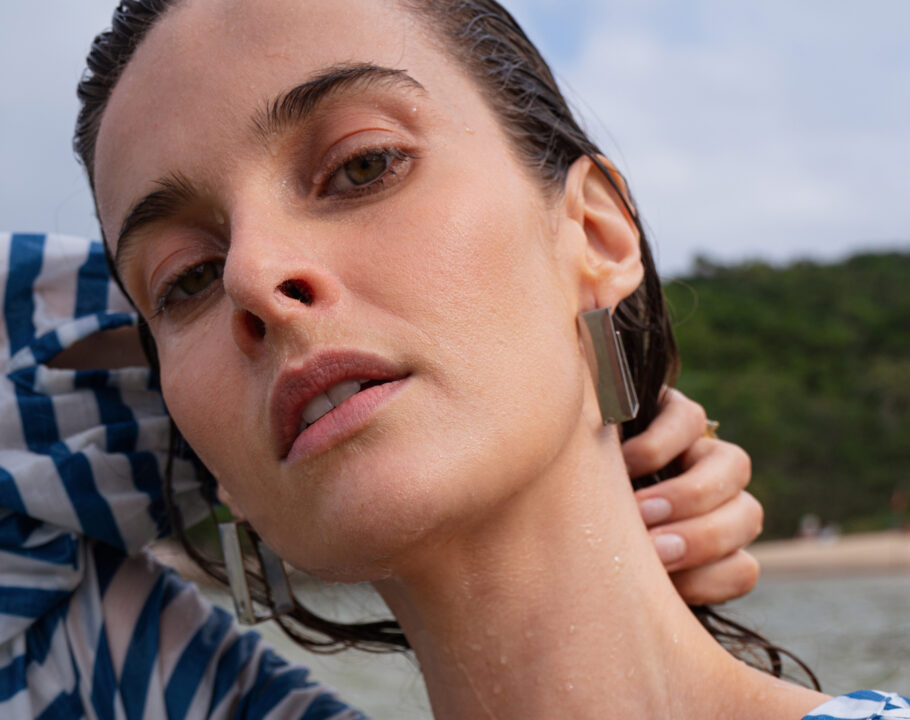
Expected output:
(611, 267)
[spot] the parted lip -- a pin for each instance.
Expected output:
(297, 386)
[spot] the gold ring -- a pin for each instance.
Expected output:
(711, 429)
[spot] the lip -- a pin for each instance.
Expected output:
(296, 387)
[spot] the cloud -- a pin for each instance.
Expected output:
(771, 130)
(43, 48)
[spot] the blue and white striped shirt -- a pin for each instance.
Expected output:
(90, 624)
(863, 705)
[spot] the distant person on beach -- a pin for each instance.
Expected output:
(381, 272)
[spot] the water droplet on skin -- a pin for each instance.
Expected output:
(273, 144)
(571, 629)
(503, 660)
(675, 638)
(469, 130)
(570, 687)
(219, 218)
(414, 110)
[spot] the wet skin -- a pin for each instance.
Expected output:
(452, 266)
(386, 230)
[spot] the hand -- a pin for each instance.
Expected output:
(106, 349)
(701, 519)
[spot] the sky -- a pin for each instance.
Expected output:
(756, 129)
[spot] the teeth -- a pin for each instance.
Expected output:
(317, 407)
(342, 391)
(329, 400)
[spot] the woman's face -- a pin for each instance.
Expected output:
(316, 196)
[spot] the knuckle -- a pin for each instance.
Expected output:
(754, 516)
(747, 574)
(698, 415)
(742, 464)
(670, 395)
(719, 539)
(712, 538)
(754, 508)
(646, 448)
(695, 491)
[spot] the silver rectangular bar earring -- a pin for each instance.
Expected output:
(276, 580)
(609, 366)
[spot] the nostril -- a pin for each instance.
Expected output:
(254, 325)
(297, 290)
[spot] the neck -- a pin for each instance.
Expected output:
(557, 606)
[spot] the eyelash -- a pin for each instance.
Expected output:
(396, 160)
(162, 304)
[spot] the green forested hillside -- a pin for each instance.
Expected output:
(808, 368)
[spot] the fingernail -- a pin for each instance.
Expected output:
(653, 510)
(670, 547)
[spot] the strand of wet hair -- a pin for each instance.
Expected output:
(375, 636)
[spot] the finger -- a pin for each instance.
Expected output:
(717, 472)
(707, 538)
(726, 579)
(705, 446)
(678, 425)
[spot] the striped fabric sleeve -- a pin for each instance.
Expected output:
(863, 705)
(91, 625)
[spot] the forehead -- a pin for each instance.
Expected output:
(209, 65)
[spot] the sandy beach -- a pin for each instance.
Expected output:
(864, 552)
(880, 552)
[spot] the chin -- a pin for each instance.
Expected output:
(353, 523)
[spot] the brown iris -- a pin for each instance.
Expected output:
(198, 278)
(366, 169)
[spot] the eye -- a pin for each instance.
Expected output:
(365, 169)
(368, 171)
(189, 282)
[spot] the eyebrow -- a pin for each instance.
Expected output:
(298, 104)
(175, 193)
(292, 107)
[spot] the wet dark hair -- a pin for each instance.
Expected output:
(520, 89)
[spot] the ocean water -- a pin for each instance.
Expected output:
(854, 632)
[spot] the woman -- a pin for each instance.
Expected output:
(368, 213)
(94, 626)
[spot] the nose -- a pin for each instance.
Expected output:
(277, 289)
(299, 290)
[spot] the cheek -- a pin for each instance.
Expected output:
(201, 388)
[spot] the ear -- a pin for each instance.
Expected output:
(610, 266)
